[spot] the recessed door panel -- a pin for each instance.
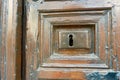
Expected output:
(74, 39)
(69, 39)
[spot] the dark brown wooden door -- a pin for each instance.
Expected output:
(71, 39)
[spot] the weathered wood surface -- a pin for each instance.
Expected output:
(10, 54)
(39, 13)
(42, 14)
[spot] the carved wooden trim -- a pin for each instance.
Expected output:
(11, 40)
(33, 41)
(48, 20)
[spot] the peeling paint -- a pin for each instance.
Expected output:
(99, 76)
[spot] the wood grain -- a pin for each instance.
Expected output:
(41, 61)
(11, 40)
(53, 13)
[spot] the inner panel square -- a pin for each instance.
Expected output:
(80, 38)
(74, 39)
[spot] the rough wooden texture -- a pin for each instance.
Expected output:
(39, 58)
(107, 76)
(11, 39)
(61, 75)
(43, 15)
(31, 43)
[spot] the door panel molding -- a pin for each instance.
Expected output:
(42, 15)
(39, 12)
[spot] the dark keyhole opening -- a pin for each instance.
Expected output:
(70, 40)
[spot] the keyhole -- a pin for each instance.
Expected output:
(70, 40)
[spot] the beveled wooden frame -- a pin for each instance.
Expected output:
(33, 43)
(48, 20)
(11, 22)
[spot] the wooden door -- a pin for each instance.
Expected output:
(71, 39)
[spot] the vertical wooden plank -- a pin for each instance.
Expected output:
(102, 39)
(10, 41)
(116, 36)
(31, 42)
(18, 37)
(4, 25)
(11, 38)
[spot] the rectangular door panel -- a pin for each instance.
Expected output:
(69, 39)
